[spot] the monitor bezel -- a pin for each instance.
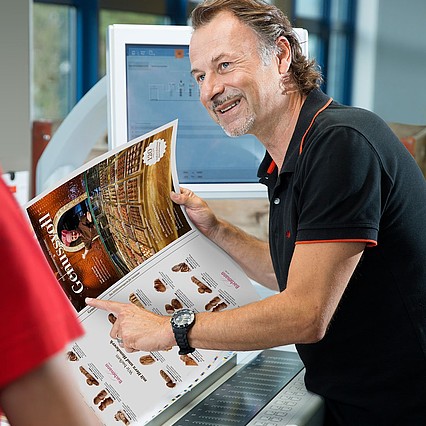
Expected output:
(118, 36)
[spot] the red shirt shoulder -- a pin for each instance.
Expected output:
(39, 321)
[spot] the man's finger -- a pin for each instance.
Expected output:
(178, 198)
(187, 198)
(106, 305)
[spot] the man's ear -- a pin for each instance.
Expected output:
(285, 56)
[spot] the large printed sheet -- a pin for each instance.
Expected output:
(110, 230)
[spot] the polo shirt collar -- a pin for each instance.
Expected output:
(315, 102)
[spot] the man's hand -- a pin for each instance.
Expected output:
(139, 329)
(248, 251)
(198, 211)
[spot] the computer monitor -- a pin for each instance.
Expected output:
(149, 84)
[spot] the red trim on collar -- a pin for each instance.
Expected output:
(312, 122)
(271, 167)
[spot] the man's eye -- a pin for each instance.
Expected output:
(224, 65)
(200, 78)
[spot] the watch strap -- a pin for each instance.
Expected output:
(181, 336)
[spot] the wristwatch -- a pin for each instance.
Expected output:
(182, 321)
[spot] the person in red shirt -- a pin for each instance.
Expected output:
(36, 387)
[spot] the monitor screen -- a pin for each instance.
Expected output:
(150, 84)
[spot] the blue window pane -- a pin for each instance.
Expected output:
(54, 59)
(309, 9)
(339, 11)
(330, 26)
(336, 66)
(314, 47)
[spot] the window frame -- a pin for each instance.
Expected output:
(87, 31)
(87, 34)
(324, 28)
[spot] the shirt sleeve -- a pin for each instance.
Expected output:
(339, 189)
(38, 321)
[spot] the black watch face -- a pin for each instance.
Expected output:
(183, 318)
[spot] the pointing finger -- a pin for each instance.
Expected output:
(105, 305)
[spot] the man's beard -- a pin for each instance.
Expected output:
(242, 129)
(238, 129)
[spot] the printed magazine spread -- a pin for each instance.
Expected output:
(110, 230)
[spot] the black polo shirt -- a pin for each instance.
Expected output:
(346, 177)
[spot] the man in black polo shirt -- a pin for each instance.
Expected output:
(347, 244)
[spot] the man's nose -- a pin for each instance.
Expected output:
(211, 87)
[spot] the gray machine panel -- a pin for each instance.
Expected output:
(268, 391)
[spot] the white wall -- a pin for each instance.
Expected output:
(15, 123)
(390, 59)
(365, 54)
(400, 90)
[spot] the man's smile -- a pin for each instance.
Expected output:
(228, 107)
